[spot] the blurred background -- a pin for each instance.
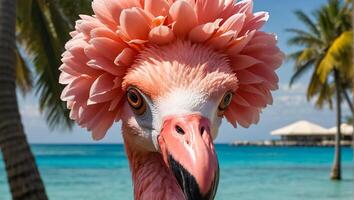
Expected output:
(293, 152)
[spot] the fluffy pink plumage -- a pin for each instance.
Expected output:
(104, 46)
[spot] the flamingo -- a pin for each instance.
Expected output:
(170, 70)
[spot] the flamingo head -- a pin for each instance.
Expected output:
(171, 70)
(176, 97)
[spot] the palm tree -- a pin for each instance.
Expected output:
(33, 51)
(326, 49)
(22, 173)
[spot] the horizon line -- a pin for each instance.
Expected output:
(119, 143)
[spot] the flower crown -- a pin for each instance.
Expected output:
(104, 46)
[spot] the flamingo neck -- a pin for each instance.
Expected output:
(151, 177)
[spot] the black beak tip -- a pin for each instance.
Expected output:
(188, 183)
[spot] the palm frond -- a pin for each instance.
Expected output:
(323, 92)
(325, 95)
(303, 38)
(71, 9)
(334, 58)
(304, 59)
(301, 70)
(326, 25)
(293, 56)
(43, 28)
(304, 41)
(308, 22)
(44, 49)
(23, 74)
(306, 55)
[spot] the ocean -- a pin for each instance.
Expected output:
(101, 172)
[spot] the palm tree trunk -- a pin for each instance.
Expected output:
(22, 173)
(336, 169)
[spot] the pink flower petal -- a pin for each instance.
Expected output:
(234, 23)
(245, 6)
(115, 102)
(240, 43)
(74, 67)
(102, 89)
(203, 32)
(229, 9)
(104, 32)
(133, 24)
(260, 48)
(125, 58)
(99, 121)
(69, 70)
(73, 33)
(117, 82)
(161, 35)
(272, 61)
(253, 89)
(245, 115)
(115, 7)
(268, 74)
(78, 87)
(74, 113)
(103, 14)
(223, 40)
(256, 22)
(231, 116)
(157, 7)
(265, 38)
(100, 130)
(70, 104)
(239, 62)
(78, 42)
(266, 92)
(237, 99)
(97, 61)
(87, 24)
(184, 18)
(78, 53)
(253, 99)
(207, 11)
(246, 77)
(109, 48)
(87, 112)
(66, 78)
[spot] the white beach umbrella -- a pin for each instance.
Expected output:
(301, 128)
(346, 129)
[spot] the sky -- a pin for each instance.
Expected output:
(290, 104)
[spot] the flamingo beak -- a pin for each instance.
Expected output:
(188, 150)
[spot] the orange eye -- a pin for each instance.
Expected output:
(136, 101)
(225, 102)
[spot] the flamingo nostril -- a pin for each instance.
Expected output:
(202, 130)
(179, 130)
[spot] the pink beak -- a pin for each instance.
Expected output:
(188, 150)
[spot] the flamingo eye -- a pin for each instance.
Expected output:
(136, 101)
(225, 102)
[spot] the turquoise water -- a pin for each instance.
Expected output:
(101, 172)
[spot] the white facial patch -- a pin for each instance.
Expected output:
(186, 101)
